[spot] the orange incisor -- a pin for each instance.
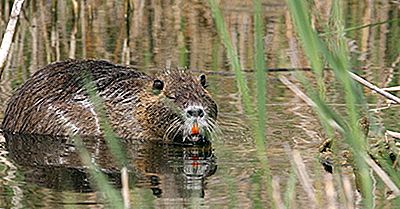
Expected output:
(195, 129)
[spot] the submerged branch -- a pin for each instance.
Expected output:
(9, 33)
(385, 178)
(375, 88)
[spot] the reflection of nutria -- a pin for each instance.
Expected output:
(55, 101)
(171, 172)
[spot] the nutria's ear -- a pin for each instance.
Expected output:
(158, 85)
(203, 81)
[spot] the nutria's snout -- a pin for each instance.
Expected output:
(197, 125)
(195, 111)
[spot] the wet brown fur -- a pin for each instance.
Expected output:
(55, 101)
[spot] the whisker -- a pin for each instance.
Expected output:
(176, 127)
(215, 130)
(179, 130)
(171, 128)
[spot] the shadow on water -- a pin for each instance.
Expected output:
(169, 171)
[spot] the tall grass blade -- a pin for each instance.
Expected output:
(112, 196)
(361, 27)
(260, 67)
(261, 83)
(108, 133)
(232, 56)
(290, 192)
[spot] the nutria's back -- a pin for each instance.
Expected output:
(55, 101)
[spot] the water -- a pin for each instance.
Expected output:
(46, 172)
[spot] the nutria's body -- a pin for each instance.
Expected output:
(55, 101)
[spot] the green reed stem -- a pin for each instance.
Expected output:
(112, 196)
(290, 192)
(112, 142)
(260, 67)
(232, 56)
(360, 27)
(108, 133)
(256, 190)
(261, 83)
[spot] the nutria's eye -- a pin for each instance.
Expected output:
(158, 85)
(203, 80)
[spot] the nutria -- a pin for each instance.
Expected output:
(172, 105)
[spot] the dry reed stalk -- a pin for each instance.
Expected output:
(348, 192)
(64, 15)
(6, 84)
(6, 10)
(330, 192)
(75, 7)
(125, 54)
(301, 172)
(43, 28)
(276, 193)
(297, 91)
(125, 187)
(9, 33)
(72, 43)
(54, 34)
(136, 26)
(126, 44)
(34, 43)
(19, 59)
(365, 34)
(83, 27)
(357, 78)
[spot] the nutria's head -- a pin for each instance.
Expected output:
(177, 106)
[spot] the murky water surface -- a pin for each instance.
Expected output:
(47, 172)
